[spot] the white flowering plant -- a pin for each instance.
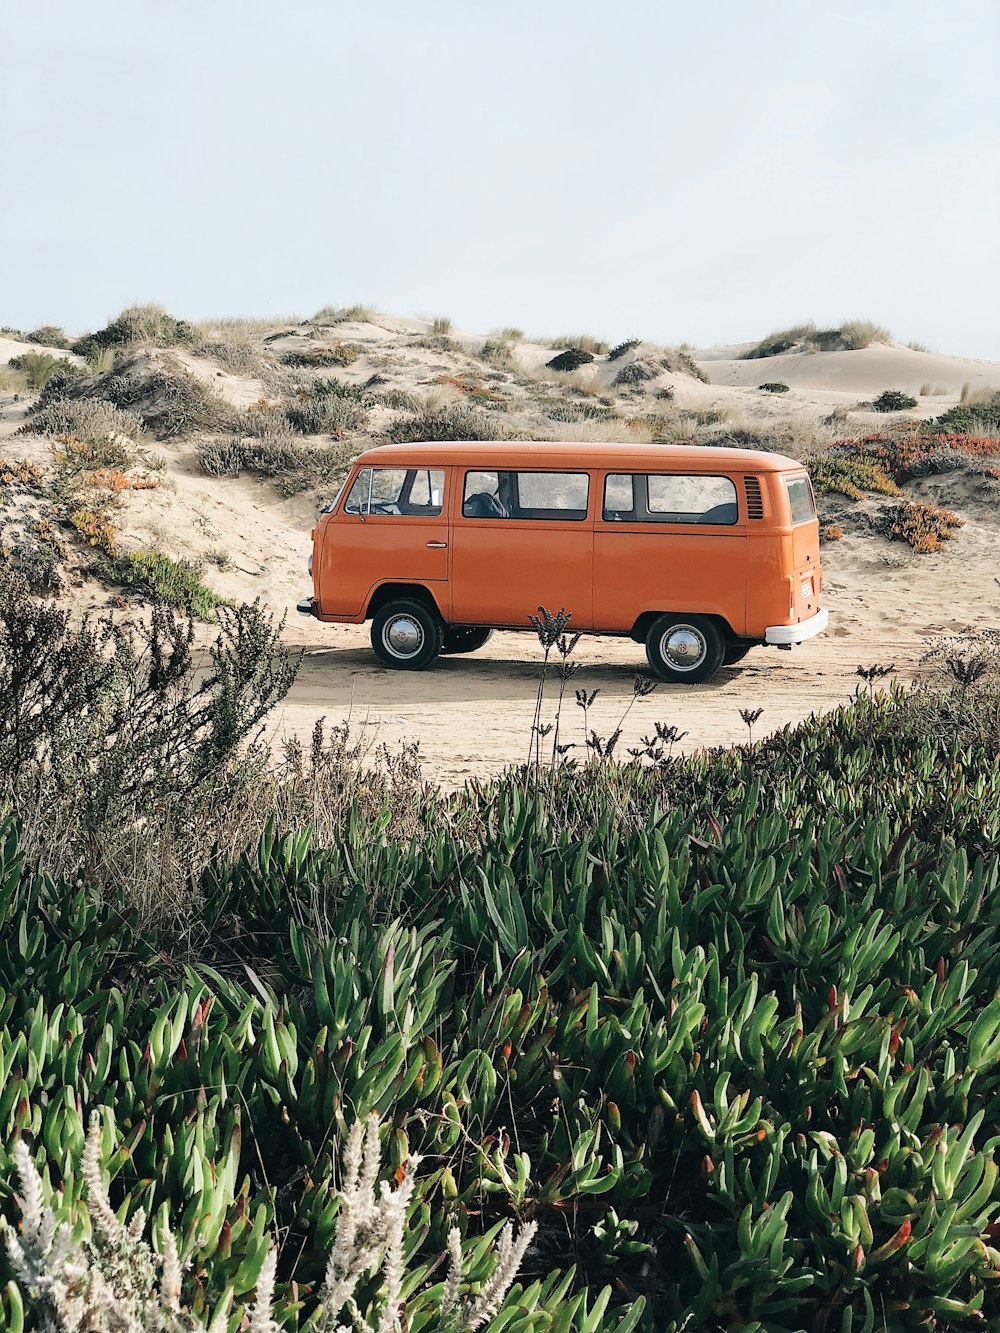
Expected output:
(113, 1281)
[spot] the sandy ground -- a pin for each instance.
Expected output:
(472, 715)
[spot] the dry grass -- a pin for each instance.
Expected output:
(240, 327)
(582, 342)
(13, 382)
(851, 336)
(933, 391)
(357, 314)
(613, 431)
(100, 359)
(583, 381)
(859, 333)
(984, 396)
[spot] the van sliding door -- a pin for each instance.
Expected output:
(520, 540)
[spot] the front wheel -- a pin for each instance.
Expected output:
(685, 649)
(407, 635)
(464, 638)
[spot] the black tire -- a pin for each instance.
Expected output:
(687, 650)
(464, 639)
(407, 635)
(735, 652)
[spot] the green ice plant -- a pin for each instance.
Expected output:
(113, 1281)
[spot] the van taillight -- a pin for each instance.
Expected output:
(755, 501)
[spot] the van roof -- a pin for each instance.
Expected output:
(509, 453)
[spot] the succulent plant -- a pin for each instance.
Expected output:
(724, 1026)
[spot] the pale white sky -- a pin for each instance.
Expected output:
(678, 171)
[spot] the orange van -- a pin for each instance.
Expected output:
(699, 553)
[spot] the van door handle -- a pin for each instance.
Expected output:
(437, 546)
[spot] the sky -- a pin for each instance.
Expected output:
(701, 172)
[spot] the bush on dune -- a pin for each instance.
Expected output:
(980, 417)
(151, 325)
(572, 359)
(49, 335)
(851, 336)
(893, 400)
(170, 400)
(452, 422)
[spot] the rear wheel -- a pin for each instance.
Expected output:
(686, 649)
(464, 638)
(735, 652)
(407, 635)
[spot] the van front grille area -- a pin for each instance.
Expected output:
(755, 501)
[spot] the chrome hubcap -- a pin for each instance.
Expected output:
(683, 647)
(403, 636)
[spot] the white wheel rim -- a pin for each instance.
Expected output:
(403, 637)
(683, 647)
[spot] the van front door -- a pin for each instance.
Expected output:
(520, 540)
(392, 527)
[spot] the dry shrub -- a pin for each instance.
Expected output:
(450, 422)
(283, 458)
(151, 325)
(397, 400)
(339, 354)
(158, 391)
(49, 335)
(327, 408)
(91, 420)
(240, 356)
(923, 527)
(833, 532)
(139, 742)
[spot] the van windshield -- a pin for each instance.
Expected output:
(800, 499)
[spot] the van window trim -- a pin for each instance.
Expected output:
(661, 525)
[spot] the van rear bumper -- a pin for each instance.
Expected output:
(786, 635)
(306, 606)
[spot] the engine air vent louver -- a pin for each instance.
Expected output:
(755, 501)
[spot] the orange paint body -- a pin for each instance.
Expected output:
(616, 534)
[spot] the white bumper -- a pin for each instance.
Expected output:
(805, 629)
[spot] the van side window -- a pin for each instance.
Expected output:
(414, 492)
(651, 498)
(561, 496)
(800, 499)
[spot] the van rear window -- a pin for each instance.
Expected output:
(800, 499)
(653, 498)
(559, 496)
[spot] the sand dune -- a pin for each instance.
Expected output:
(852, 374)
